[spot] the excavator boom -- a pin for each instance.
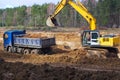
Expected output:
(51, 21)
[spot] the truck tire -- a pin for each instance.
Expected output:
(14, 49)
(9, 49)
(34, 51)
(40, 52)
(20, 50)
(26, 51)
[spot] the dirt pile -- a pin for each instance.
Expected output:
(57, 56)
(64, 57)
(20, 71)
(67, 39)
(64, 65)
(37, 35)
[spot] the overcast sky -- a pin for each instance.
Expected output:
(15, 3)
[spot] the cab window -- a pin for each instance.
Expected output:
(5, 36)
(94, 35)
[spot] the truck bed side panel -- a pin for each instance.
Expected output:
(48, 42)
(34, 42)
(28, 42)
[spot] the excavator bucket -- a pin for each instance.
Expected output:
(51, 22)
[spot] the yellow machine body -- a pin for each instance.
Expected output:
(109, 41)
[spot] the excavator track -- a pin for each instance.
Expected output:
(101, 52)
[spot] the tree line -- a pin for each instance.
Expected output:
(106, 12)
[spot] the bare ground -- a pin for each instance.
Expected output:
(57, 67)
(85, 69)
(63, 64)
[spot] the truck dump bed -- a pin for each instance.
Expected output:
(34, 42)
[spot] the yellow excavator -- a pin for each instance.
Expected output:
(92, 41)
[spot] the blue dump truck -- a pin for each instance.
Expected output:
(15, 42)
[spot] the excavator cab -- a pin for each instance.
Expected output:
(90, 38)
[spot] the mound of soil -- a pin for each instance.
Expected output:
(35, 35)
(68, 39)
(56, 56)
(20, 71)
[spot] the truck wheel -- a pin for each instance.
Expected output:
(26, 51)
(9, 49)
(14, 49)
(40, 52)
(34, 51)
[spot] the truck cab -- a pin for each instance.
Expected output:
(8, 37)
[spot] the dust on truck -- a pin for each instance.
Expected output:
(15, 42)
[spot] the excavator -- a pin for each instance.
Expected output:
(97, 44)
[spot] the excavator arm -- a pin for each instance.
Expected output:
(90, 19)
(51, 21)
(59, 7)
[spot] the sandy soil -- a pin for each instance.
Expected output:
(16, 67)
(66, 62)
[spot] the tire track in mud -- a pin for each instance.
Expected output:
(81, 68)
